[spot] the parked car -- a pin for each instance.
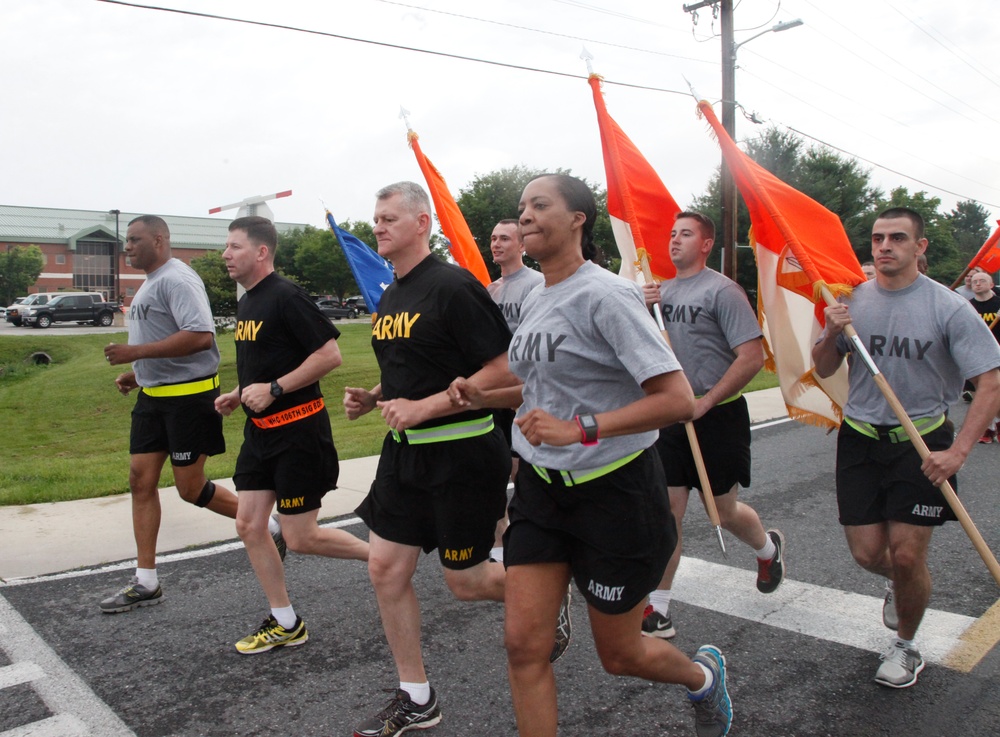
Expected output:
(15, 313)
(333, 309)
(80, 308)
(13, 305)
(357, 303)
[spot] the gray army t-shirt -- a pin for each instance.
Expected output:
(585, 345)
(706, 315)
(171, 299)
(509, 293)
(925, 339)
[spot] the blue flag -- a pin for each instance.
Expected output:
(372, 272)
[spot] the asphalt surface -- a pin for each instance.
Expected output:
(172, 669)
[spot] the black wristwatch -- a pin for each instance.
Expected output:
(276, 390)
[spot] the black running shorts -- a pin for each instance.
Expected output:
(878, 480)
(297, 461)
(185, 427)
(615, 532)
(724, 437)
(446, 495)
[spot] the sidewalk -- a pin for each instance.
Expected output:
(48, 538)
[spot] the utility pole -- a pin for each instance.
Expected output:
(728, 186)
(729, 202)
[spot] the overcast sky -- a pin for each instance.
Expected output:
(107, 106)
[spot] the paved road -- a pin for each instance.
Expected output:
(801, 660)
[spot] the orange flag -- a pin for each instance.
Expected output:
(641, 209)
(799, 246)
(461, 243)
(988, 258)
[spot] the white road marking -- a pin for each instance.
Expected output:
(18, 673)
(76, 709)
(826, 614)
(62, 725)
(160, 560)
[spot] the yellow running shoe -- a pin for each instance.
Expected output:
(271, 634)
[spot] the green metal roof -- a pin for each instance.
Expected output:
(54, 225)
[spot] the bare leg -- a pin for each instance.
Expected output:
(304, 535)
(740, 519)
(391, 567)
(251, 525)
(143, 481)
(534, 594)
(190, 480)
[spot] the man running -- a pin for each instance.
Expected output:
(442, 475)
(515, 282)
(284, 346)
(175, 363)
(924, 340)
(717, 339)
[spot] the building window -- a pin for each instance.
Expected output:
(129, 291)
(93, 266)
(60, 258)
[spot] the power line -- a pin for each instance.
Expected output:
(949, 47)
(886, 168)
(548, 33)
(399, 47)
(459, 57)
(897, 62)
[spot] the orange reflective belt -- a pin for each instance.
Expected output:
(292, 414)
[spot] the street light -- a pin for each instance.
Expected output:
(776, 28)
(729, 204)
(728, 186)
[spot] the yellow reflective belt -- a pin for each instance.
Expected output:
(897, 434)
(583, 475)
(727, 400)
(181, 390)
(444, 433)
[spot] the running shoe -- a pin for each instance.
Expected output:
(713, 712)
(132, 596)
(988, 436)
(564, 628)
(401, 715)
(900, 667)
(890, 618)
(279, 539)
(659, 625)
(271, 634)
(770, 573)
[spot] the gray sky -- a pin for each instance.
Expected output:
(107, 106)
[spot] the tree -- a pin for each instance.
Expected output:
(20, 267)
(219, 285)
(489, 199)
(493, 197)
(321, 263)
(839, 184)
(970, 228)
(943, 260)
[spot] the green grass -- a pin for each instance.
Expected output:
(66, 427)
(763, 380)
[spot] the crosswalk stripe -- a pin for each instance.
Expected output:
(816, 611)
(61, 725)
(76, 708)
(18, 673)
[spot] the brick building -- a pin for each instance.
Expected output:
(79, 245)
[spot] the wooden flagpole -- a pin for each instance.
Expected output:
(707, 496)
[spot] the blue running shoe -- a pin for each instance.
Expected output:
(713, 712)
